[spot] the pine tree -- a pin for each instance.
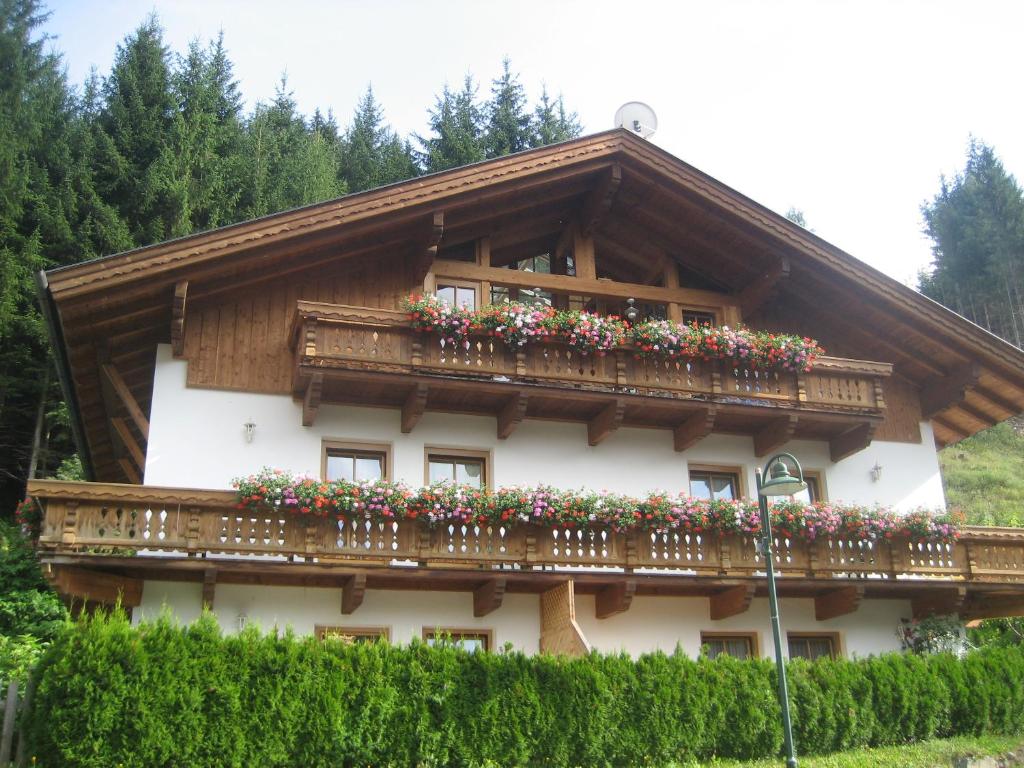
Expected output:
(508, 123)
(456, 123)
(371, 153)
(552, 123)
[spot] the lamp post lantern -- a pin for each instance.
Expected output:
(779, 483)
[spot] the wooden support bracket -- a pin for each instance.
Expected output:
(415, 405)
(949, 390)
(694, 429)
(127, 399)
(775, 435)
(615, 598)
(427, 250)
(731, 601)
(606, 421)
(97, 586)
(981, 606)
(852, 440)
(178, 318)
(488, 596)
(559, 632)
(209, 588)
(837, 602)
(130, 470)
(128, 440)
(939, 602)
(352, 593)
(759, 292)
(599, 201)
(510, 416)
(311, 400)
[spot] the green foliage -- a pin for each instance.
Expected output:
(508, 122)
(161, 694)
(984, 476)
(1000, 633)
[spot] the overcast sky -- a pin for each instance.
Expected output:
(849, 111)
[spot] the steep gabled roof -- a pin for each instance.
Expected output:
(121, 305)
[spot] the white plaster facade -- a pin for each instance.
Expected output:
(197, 439)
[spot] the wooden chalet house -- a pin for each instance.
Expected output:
(283, 342)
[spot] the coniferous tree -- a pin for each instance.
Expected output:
(552, 122)
(371, 153)
(508, 122)
(456, 124)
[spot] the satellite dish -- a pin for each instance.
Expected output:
(638, 118)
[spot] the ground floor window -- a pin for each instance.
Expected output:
(715, 483)
(462, 467)
(472, 640)
(354, 634)
(739, 645)
(811, 646)
(354, 462)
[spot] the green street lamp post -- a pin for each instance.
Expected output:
(779, 483)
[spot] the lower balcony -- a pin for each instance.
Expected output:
(365, 356)
(99, 542)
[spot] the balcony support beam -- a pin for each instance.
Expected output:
(939, 602)
(352, 593)
(775, 435)
(559, 632)
(130, 470)
(415, 405)
(606, 421)
(209, 588)
(97, 586)
(837, 602)
(948, 391)
(488, 597)
(311, 399)
(731, 601)
(615, 598)
(178, 318)
(510, 416)
(696, 427)
(599, 202)
(424, 259)
(764, 288)
(852, 440)
(127, 399)
(128, 440)
(994, 607)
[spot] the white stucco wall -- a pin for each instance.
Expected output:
(197, 440)
(651, 623)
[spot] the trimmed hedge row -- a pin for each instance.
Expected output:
(162, 695)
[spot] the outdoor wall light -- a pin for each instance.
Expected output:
(250, 430)
(632, 313)
(876, 472)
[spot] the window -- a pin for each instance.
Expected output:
(471, 640)
(815, 488)
(714, 483)
(354, 634)
(739, 645)
(692, 317)
(804, 645)
(457, 295)
(463, 467)
(354, 462)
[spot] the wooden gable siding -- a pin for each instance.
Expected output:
(240, 342)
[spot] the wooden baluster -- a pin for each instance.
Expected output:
(812, 558)
(620, 368)
(311, 530)
(716, 383)
(310, 338)
(69, 533)
(724, 556)
(192, 531)
(520, 362)
(631, 551)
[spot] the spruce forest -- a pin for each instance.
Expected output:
(162, 146)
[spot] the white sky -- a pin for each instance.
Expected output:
(849, 111)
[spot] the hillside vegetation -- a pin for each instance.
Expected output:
(984, 476)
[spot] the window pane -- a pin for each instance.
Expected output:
(698, 318)
(469, 472)
(700, 486)
(723, 487)
(369, 468)
(738, 647)
(340, 467)
(465, 297)
(441, 471)
(810, 648)
(446, 293)
(499, 294)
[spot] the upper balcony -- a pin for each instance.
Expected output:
(359, 355)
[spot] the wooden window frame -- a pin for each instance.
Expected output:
(838, 651)
(486, 633)
(379, 633)
(443, 451)
(753, 637)
(819, 477)
(357, 447)
(721, 469)
(445, 282)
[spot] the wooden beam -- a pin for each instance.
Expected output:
(415, 405)
(837, 602)
(97, 586)
(128, 440)
(352, 593)
(488, 596)
(427, 251)
(775, 435)
(615, 598)
(696, 427)
(209, 588)
(952, 389)
(510, 416)
(599, 201)
(731, 601)
(559, 632)
(757, 293)
(852, 440)
(994, 606)
(130, 470)
(311, 399)
(178, 318)
(127, 399)
(939, 602)
(606, 421)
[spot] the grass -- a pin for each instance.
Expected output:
(928, 754)
(984, 476)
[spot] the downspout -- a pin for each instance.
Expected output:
(60, 357)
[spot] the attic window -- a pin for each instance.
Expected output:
(691, 317)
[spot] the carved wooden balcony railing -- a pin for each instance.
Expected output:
(85, 517)
(335, 341)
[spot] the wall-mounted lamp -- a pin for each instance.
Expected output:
(242, 620)
(876, 472)
(632, 313)
(250, 430)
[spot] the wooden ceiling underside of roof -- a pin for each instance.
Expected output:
(119, 308)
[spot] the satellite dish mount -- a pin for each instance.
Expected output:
(636, 117)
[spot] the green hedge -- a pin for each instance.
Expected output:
(162, 695)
